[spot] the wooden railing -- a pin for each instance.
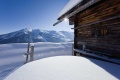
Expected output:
(31, 54)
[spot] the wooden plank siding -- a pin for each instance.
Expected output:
(98, 15)
(104, 36)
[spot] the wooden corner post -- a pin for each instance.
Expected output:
(75, 33)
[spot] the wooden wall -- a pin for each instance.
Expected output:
(104, 36)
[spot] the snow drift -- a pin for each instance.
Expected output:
(66, 68)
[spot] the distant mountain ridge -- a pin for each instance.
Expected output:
(36, 35)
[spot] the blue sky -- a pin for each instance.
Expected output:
(35, 14)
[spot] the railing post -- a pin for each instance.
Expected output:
(26, 58)
(73, 49)
(27, 54)
(84, 47)
(32, 53)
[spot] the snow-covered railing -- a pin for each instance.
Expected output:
(94, 56)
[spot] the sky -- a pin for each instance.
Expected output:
(34, 14)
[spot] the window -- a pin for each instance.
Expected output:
(100, 31)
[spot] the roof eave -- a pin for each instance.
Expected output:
(88, 4)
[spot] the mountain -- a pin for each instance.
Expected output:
(36, 35)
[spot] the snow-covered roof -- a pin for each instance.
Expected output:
(66, 68)
(70, 5)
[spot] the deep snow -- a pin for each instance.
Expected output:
(66, 68)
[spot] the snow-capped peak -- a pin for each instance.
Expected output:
(27, 30)
(36, 35)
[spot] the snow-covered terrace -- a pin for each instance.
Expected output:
(67, 68)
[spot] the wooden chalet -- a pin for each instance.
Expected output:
(96, 27)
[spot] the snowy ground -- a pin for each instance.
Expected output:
(12, 55)
(66, 68)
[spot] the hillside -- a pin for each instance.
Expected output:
(36, 35)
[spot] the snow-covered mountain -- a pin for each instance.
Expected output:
(36, 35)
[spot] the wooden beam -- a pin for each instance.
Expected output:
(114, 17)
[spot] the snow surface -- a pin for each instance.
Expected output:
(66, 68)
(12, 55)
(69, 6)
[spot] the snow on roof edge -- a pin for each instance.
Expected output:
(70, 5)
